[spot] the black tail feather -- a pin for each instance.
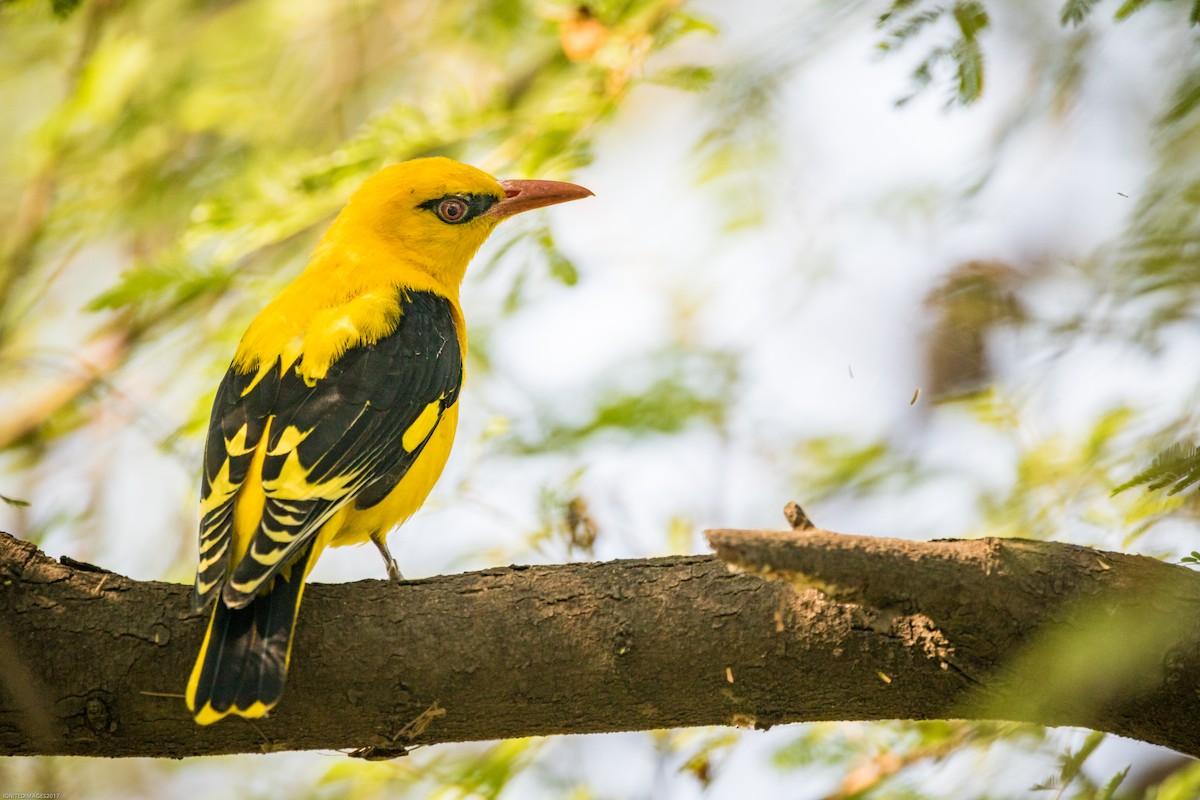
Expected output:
(243, 665)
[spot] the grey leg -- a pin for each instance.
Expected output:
(393, 571)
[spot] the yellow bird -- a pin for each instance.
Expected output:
(338, 412)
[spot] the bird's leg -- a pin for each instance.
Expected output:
(393, 571)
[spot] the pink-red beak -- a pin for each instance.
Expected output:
(526, 195)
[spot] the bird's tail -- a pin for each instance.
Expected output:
(243, 661)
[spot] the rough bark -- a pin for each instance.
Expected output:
(857, 628)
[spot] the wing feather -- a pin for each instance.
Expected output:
(339, 440)
(239, 417)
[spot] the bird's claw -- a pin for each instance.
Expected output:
(393, 571)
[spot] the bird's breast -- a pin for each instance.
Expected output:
(400, 504)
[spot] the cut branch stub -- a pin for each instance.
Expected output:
(796, 517)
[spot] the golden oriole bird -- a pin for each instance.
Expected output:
(337, 414)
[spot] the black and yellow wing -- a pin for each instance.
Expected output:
(347, 437)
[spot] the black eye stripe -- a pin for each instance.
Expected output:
(476, 204)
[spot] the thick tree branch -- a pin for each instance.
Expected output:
(92, 663)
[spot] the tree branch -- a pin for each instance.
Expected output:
(92, 663)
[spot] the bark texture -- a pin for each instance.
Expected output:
(808, 625)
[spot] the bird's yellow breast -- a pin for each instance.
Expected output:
(359, 524)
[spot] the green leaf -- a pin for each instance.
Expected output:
(64, 8)
(898, 7)
(1075, 11)
(1071, 764)
(1129, 7)
(1114, 783)
(820, 743)
(844, 466)
(688, 78)
(969, 60)
(909, 28)
(1177, 467)
(561, 268)
(971, 17)
(172, 280)
(689, 388)
(12, 501)
(680, 24)
(1184, 784)
(515, 295)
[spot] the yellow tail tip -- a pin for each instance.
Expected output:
(207, 715)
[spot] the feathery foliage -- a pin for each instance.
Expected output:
(1174, 469)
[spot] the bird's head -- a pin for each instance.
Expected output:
(434, 213)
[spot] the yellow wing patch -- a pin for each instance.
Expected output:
(220, 489)
(237, 445)
(422, 425)
(289, 440)
(293, 482)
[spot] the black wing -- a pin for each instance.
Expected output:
(341, 439)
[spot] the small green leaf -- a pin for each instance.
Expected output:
(516, 294)
(1071, 763)
(64, 8)
(1111, 787)
(1075, 11)
(1177, 467)
(681, 24)
(172, 280)
(971, 17)
(12, 501)
(561, 268)
(1129, 7)
(690, 23)
(898, 7)
(688, 78)
(969, 59)
(693, 388)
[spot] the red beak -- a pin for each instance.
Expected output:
(525, 195)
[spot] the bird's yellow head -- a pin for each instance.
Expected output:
(432, 214)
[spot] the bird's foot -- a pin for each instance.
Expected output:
(393, 571)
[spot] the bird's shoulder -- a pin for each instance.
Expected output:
(310, 327)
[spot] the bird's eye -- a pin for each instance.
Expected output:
(452, 210)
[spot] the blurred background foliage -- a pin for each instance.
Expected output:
(930, 268)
